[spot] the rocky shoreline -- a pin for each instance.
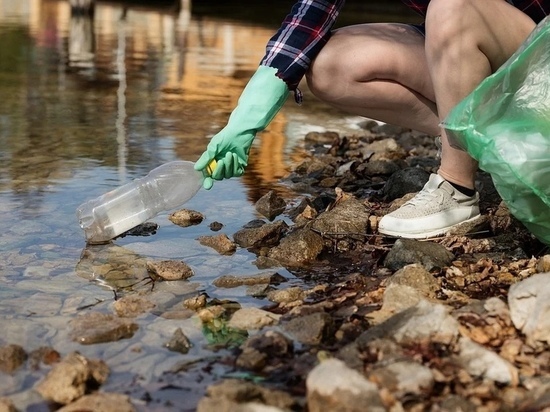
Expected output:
(455, 323)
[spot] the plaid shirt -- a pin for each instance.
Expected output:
(307, 29)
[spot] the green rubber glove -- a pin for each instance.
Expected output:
(261, 99)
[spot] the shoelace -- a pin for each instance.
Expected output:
(423, 197)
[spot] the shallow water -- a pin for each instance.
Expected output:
(88, 104)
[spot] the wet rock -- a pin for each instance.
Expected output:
(45, 355)
(215, 226)
(112, 265)
(100, 402)
(220, 243)
(259, 350)
(416, 276)
(259, 291)
(300, 248)
(11, 358)
(268, 234)
(179, 342)
(231, 281)
(378, 168)
(332, 386)
(408, 180)
(297, 210)
(349, 216)
(311, 329)
(231, 395)
(481, 362)
(263, 262)
(71, 378)
(529, 302)
(286, 295)
(424, 321)
(185, 217)
(270, 205)
(327, 137)
(407, 251)
(6, 405)
(131, 306)
(96, 327)
(404, 378)
(196, 302)
(144, 229)
(252, 318)
(170, 269)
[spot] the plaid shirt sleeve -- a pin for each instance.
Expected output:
(300, 38)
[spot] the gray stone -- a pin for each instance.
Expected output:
(220, 243)
(332, 386)
(185, 217)
(481, 362)
(408, 180)
(252, 318)
(179, 342)
(404, 378)
(529, 302)
(407, 251)
(300, 248)
(100, 402)
(311, 329)
(271, 205)
(268, 234)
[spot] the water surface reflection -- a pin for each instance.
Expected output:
(89, 101)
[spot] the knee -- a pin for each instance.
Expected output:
(334, 68)
(446, 21)
(324, 69)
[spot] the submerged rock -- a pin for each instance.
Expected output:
(104, 402)
(170, 269)
(96, 327)
(11, 358)
(71, 378)
(179, 342)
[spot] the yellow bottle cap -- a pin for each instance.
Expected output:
(209, 169)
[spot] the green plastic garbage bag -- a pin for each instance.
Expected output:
(505, 125)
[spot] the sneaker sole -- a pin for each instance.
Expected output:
(424, 235)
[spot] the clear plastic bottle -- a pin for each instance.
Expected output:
(164, 188)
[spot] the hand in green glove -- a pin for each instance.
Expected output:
(261, 99)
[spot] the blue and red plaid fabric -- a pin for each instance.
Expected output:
(307, 28)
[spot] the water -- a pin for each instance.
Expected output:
(89, 104)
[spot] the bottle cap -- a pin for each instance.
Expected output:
(210, 167)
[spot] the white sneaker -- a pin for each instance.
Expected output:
(432, 212)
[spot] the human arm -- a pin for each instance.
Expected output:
(288, 56)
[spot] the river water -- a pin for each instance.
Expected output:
(89, 103)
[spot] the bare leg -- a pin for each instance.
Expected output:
(378, 71)
(466, 41)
